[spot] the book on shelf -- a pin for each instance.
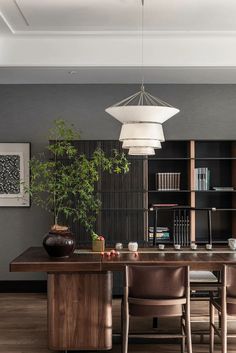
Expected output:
(162, 233)
(223, 188)
(201, 179)
(164, 205)
(168, 181)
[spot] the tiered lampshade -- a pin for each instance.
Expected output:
(142, 131)
(141, 143)
(142, 116)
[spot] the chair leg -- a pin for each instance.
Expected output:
(125, 329)
(183, 333)
(188, 329)
(224, 332)
(212, 330)
(219, 319)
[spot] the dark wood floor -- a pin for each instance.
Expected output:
(23, 327)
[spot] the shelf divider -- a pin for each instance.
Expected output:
(192, 193)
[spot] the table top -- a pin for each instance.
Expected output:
(35, 259)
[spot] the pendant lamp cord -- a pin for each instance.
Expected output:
(142, 25)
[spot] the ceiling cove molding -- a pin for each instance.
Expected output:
(21, 12)
(8, 25)
(106, 51)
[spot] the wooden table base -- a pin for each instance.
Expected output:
(80, 311)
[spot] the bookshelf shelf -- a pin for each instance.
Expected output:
(214, 191)
(168, 159)
(215, 159)
(166, 191)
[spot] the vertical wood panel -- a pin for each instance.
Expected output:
(234, 184)
(122, 217)
(80, 311)
(192, 193)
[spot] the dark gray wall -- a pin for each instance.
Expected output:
(27, 111)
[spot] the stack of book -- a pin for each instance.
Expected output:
(202, 179)
(162, 233)
(181, 234)
(168, 181)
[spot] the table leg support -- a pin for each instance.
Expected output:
(80, 311)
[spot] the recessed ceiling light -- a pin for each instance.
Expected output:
(73, 72)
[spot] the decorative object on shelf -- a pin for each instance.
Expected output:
(98, 243)
(133, 246)
(14, 174)
(142, 112)
(168, 181)
(65, 184)
(181, 234)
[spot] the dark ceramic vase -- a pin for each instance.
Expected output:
(59, 243)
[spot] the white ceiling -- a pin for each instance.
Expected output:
(118, 15)
(185, 41)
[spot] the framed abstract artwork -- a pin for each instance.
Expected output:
(14, 172)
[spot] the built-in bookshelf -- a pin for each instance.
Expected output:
(126, 200)
(183, 157)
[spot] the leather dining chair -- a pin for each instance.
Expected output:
(157, 291)
(225, 304)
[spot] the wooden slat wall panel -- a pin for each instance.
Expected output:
(122, 216)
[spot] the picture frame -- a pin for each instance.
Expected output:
(14, 173)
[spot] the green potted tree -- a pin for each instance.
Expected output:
(65, 185)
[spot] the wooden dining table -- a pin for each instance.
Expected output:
(80, 287)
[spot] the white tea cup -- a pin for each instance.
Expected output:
(133, 246)
(193, 246)
(119, 246)
(232, 243)
(208, 246)
(161, 246)
(177, 246)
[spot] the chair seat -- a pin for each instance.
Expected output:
(156, 310)
(202, 277)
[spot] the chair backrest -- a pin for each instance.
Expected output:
(155, 282)
(229, 279)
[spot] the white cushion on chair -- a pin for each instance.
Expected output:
(202, 276)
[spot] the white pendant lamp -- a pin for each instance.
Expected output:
(142, 115)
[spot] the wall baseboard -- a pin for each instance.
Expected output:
(23, 286)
